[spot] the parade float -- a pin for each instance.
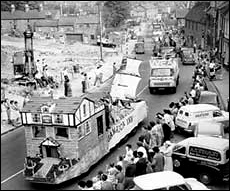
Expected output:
(66, 136)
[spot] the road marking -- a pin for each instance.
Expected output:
(142, 90)
(12, 176)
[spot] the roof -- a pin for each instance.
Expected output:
(158, 180)
(66, 21)
(170, 22)
(46, 23)
(63, 105)
(200, 107)
(208, 142)
(197, 13)
(208, 97)
(181, 13)
(22, 15)
(87, 20)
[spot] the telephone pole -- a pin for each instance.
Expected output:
(100, 25)
(215, 14)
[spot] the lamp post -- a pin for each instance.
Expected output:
(29, 55)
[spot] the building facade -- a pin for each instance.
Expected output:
(197, 29)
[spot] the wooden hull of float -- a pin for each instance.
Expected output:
(116, 134)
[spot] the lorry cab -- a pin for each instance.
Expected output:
(164, 74)
(205, 158)
(189, 115)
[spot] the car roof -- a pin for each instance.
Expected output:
(207, 142)
(158, 180)
(199, 107)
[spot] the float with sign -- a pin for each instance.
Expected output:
(66, 136)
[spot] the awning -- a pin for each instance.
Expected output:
(132, 67)
(124, 87)
(50, 142)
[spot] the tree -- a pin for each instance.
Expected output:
(115, 12)
(20, 5)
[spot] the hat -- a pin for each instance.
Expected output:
(159, 116)
(168, 143)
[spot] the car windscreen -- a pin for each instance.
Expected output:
(161, 72)
(211, 130)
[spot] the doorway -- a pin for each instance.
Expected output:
(50, 151)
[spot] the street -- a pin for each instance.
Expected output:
(13, 144)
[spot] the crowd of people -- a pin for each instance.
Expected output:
(10, 112)
(154, 147)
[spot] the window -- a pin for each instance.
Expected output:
(186, 114)
(87, 127)
(197, 26)
(217, 114)
(38, 131)
(100, 125)
(192, 25)
(92, 37)
(36, 117)
(61, 132)
(58, 118)
(179, 149)
(80, 132)
(181, 112)
(84, 110)
(45, 109)
(179, 187)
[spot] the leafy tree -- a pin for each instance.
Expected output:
(115, 12)
(20, 5)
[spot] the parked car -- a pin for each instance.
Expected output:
(208, 97)
(188, 57)
(189, 115)
(166, 180)
(139, 48)
(140, 39)
(210, 129)
(206, 158)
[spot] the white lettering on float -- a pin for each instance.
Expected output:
(119, 127)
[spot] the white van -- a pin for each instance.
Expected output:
(189, 115)
(164, 73)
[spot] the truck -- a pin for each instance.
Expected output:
(164, 74)
(66, 136)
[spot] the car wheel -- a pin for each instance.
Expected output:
(151, 90)
(178, 130)
(174, 90)
(176, 163)
(177, 81)
(205, 177)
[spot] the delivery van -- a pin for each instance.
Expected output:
(204, 158)
(188, 116)
(164, 74)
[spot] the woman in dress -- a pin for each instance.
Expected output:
(167, 151)
(3, 111)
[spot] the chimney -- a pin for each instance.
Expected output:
(41, 7)
(12, 8)
(27, 8)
